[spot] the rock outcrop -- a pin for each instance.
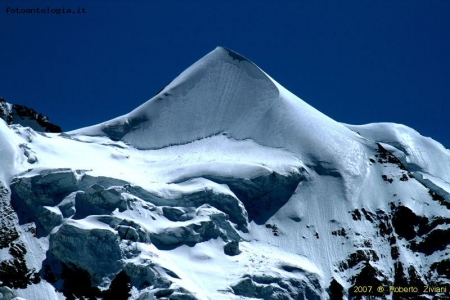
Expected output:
(26, 116)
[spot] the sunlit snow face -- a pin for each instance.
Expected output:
(10, 157)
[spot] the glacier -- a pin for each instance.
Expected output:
(223, 186)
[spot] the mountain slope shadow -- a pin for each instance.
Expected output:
(263, 196)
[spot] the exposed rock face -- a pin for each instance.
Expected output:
(408, 233)
(14, 270)
(25, 116)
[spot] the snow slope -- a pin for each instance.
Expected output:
(225, 93)
(419, 153)
(224, 186)
(9, 152)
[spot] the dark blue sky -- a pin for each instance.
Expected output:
(356, 61)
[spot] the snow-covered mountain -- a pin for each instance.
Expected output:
(25, 116)
(224, 186)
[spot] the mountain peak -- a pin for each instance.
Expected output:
(232, 54)
(222, 92)
(220, 56)
(225, 93)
